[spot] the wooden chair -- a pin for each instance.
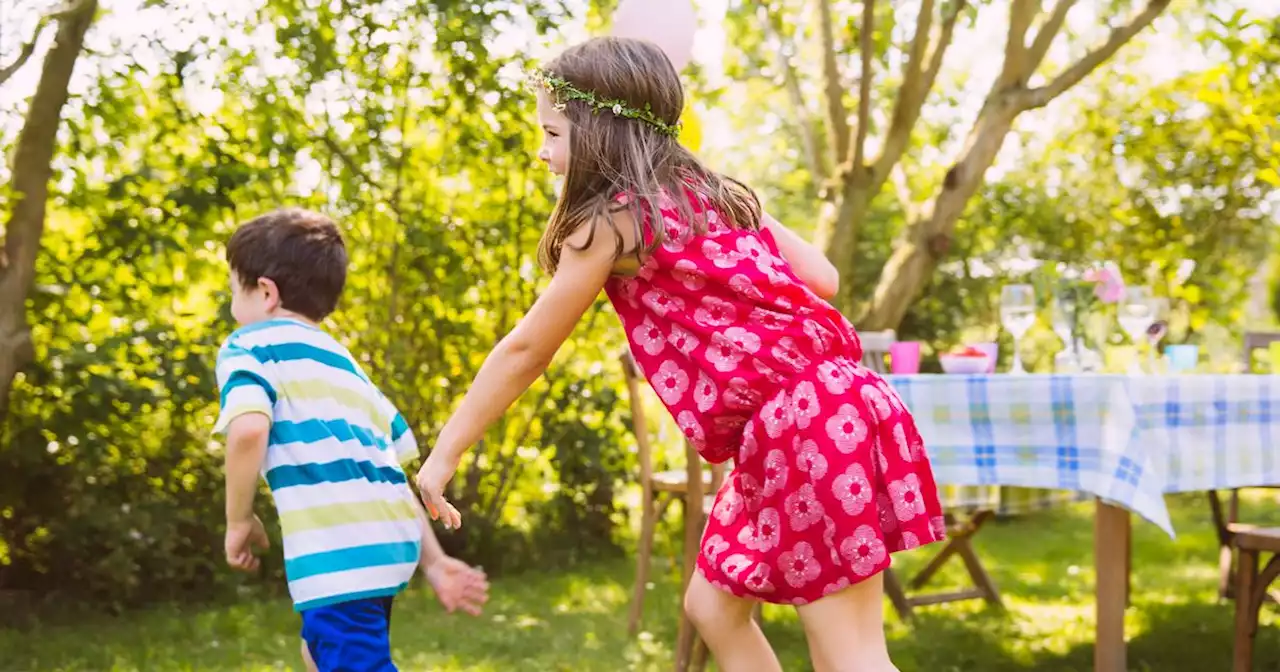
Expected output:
(1251, 582)
(1224, 520)
(658, 489)
(875, 348)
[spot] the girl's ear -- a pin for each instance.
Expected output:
(270, 293)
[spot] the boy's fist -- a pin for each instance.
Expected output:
(242, 538)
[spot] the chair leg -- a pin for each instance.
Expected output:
(700, 652)
(978, 573)
(644, 558)
(1246, 611)
(1226, 553)
(897, 597)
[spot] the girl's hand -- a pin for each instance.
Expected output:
(432, 479)
(458, 585)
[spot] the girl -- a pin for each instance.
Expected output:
(722, 307)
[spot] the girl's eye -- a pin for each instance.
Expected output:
(551, 134)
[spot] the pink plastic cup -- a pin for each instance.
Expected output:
(991, 350)
(904, 357)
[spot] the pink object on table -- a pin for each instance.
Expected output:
(904, 357)
(991, 350)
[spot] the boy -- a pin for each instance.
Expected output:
(297, 408)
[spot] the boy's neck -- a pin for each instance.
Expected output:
(282, 314)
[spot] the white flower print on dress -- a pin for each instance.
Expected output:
(772, 376)
(852, 489)
(846, 429)
(670, 382)
(739, 396)
(803, 508)
(677, 234)
(818, 335)
(753, 249)
(689, 275)
(776, 416)
(661, 302)
(907, 502)
(834, 377)
(719, 256)
(649, 337)
(775, 472)
(787, 352)
(764, 534)
(682, 339)
(714, 546)
(909, 541)
(704, 393)
(938, 525)
(743, 339)
(809, 459)
(646, 270)
(798, 565)
(900, 438)
(628, 288)
(889, 393)
(715, 312)
(691, 429)
(804, 404)
(758, 580)
(769, 319)
(875, 400)
(864, 550)
(749, 488)
(723, 354)
(888, 521)
(734, 565)
(744, 287)
(829, 538)
(836, 586)
(749, 445)
(727, 507)
(877, 449)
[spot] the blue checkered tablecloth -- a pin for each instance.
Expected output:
(1127, 439)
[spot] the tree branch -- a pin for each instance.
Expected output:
(917, 81)
(1015, 70)
(1041, 96)
(866, 47)
(23, 56)
(837, 116)
(813, 156)
(1048, 31)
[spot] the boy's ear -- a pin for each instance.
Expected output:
(270, 293)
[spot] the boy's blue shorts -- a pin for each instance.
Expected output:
(350, 636)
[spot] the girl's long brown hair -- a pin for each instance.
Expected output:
(612, 155)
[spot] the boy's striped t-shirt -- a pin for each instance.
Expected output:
(352, 527)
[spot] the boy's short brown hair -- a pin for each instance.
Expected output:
(301, 251)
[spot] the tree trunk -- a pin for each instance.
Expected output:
(927, 240)
(32, 170)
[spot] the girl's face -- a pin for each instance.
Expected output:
(555, 135)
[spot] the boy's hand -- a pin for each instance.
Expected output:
(242, 538)
(458, 585)
(432, 477)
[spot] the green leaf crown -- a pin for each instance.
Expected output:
(562, 91)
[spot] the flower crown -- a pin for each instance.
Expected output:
(563, 91)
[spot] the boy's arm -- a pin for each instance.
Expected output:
(246, 450)
(247, 398)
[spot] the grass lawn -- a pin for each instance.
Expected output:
(576, 620)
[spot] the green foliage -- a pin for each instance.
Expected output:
(420, 142)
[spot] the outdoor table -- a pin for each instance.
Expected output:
(1126, 440)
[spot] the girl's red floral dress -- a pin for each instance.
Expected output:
(830, 475)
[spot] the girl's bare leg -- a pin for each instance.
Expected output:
(724, 622)
(846, 629)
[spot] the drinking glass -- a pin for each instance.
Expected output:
(1158, 329)
(1136, 314)
(1017, 314)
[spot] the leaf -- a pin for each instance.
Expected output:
(1270, 176)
